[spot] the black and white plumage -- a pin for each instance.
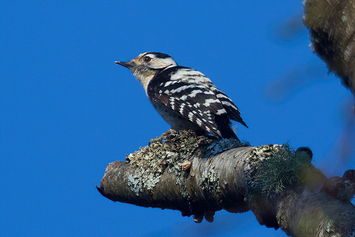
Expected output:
(184, 98)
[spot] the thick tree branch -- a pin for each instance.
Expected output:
(331, 26)
(200, 175)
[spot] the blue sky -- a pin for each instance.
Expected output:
(67, 110)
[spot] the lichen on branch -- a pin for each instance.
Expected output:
(200, 175)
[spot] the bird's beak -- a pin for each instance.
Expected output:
(129, 64)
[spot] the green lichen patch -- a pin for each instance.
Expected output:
(210, 184)
(278, 167)
(172, 153)
(169, 151)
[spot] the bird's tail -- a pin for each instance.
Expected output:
(224, 127)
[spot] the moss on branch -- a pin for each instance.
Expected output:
(201, 175)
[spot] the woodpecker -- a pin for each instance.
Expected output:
(184, 98)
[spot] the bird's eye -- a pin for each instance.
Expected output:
(146, 59)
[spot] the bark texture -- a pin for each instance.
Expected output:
(198, 176)
(331, 26)
(201, 175)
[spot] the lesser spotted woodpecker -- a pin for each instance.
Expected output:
(184, 98)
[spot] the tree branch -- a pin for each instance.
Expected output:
(201, 175)
(331, 26)
(198, 176)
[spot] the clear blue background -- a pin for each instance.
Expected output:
(66, 110)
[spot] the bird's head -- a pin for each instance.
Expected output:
(146, 65)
